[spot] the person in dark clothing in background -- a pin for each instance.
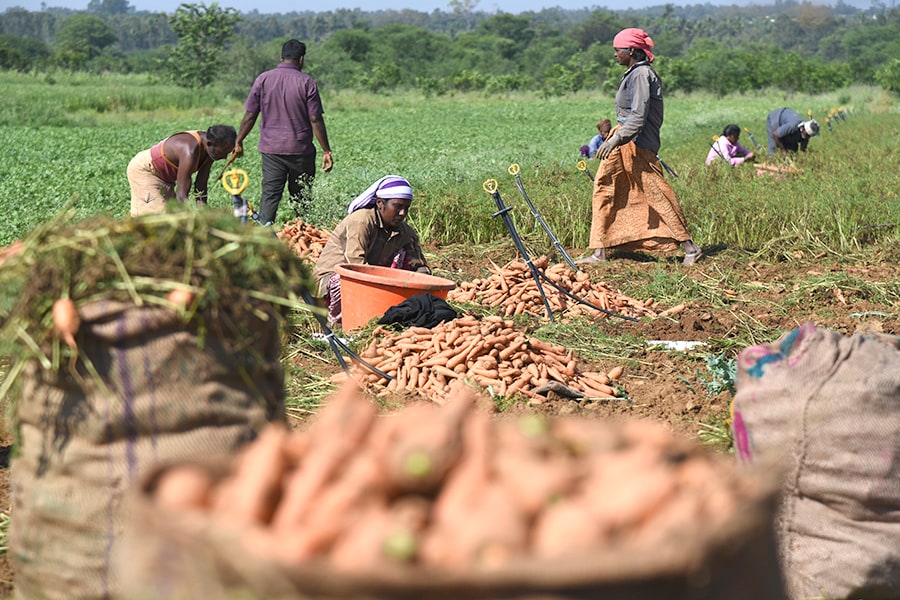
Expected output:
(287, 100)
(788, 131)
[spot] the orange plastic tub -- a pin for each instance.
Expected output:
(368, 291)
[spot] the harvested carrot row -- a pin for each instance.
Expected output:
(306, 240)
(490, 352)
(513, 291)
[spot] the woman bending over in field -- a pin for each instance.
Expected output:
(373, 233)
(728, 148)
(164, 171)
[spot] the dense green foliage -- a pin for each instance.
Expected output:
(204, 33)
(74, 136)
(790, 46)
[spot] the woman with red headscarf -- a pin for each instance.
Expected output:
(633, 206)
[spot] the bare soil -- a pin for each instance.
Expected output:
(745, 301)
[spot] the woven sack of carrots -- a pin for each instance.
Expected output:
(448, 502)
(130, 342)
(826, 406)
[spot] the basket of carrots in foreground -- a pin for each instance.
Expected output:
(453, 502)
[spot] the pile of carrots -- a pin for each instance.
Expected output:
(512, 289)
(10, 251)
(452, 488)
(490, 352)
(306, 240)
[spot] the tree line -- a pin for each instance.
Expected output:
(789, 46)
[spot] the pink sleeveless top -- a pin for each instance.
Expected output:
(168, 171)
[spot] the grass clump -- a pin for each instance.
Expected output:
(235, 276)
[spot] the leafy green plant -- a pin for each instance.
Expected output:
(723, 372)
(716, 432)
(4, 533)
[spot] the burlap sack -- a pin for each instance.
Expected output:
(160, 392)
(827, 407)
(188, 556)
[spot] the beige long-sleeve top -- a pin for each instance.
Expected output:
(362, 238)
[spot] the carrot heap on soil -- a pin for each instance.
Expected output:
(452, 487)
(306, 240)
(513, 290)
(490, 352)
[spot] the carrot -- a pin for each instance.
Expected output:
(334, 510)
(510, 350)
(337, 432)
(483, 531)
(66, 320)
(596, 390)
(584, 438)
(463, 352)
(423, 444)
(700, 478)
(679, 515)
(180, 298)
(518, 385)
(565, 528)
(476, 351)
(445, 372)
(533, 475)
(380, 536)
(252, 492)
(630, 486)
(595, 378)
(483, 373)
(615, 373)
(185, 487)
(555, 374)
(672, 311)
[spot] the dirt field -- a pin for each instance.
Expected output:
(754, 301)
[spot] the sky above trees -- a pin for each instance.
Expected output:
(489, 6)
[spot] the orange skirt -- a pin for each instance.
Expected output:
(633, 206)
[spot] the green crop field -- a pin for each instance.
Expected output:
(69, 138)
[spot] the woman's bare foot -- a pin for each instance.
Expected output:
(599, 255)
(692, 252)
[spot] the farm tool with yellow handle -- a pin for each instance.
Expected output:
(236, 181)
(712, 145)
(753, 139)
(227, 164)
(514, 171)
(490, 186)
(668, 169)
(582, 166)
(337, 344)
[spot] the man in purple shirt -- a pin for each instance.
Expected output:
(288, 100)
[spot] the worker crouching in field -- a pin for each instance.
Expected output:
(373, 233)
(633, 206)
(164, 171)
(788, 132)
(728, 148)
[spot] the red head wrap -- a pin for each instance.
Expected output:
(634, 38)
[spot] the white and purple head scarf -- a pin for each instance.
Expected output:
(389, 186)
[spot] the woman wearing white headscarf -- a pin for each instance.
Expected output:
(373, 233)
